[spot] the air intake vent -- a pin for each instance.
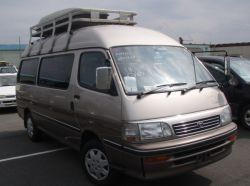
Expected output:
(192, 127)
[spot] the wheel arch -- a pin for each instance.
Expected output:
(88, 135)
(26, 112)
(242, 105)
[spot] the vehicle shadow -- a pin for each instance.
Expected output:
(243, 133)
(191, 178)
(10, 110)
(17, 143)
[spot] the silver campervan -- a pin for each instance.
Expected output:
(128, 98)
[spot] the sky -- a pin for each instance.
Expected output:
(196, 21)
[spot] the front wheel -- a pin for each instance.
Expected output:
(245, 117)
(33, 132)
(96, 164)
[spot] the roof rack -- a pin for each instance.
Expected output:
(73, 18)
(68, 20)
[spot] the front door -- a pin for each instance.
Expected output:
(96, 110)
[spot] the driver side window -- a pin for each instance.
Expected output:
(89, 62)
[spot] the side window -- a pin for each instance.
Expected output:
(28, 71)
(217, 72)
(55, 71)
(87, 70)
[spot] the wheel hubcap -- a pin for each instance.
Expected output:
(247, 118)
(30, 128)
(97, 164)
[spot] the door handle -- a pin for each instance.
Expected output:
(72, 107)
(77, 97)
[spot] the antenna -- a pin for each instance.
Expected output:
(19, 45)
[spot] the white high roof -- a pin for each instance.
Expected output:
(107, 36)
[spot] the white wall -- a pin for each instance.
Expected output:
(243, 51)
(12, 57)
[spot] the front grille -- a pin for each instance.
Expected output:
(7, 102)
(10, 96)
(191, 127)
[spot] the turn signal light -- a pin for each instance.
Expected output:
(232, 138)
(156, 159)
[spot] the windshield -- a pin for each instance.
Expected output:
(143, 68)
(242, 67)
(7, 69)
(7, 81)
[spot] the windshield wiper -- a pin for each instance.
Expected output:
(208, 82)
(158, 87)
(200, 85)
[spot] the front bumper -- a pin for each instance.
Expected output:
(184, 154)
(8, 102)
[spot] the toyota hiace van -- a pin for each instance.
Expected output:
(130, 99)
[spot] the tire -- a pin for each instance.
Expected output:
(33, 133)
(96, 164)
(245, 117)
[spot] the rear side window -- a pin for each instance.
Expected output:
(55, 71)
(8, 69)
(28, 71)
(89, 62)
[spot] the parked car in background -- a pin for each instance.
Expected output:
(8, 75)
(236, 86)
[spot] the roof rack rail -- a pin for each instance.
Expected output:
(73, 18)
(68, 20)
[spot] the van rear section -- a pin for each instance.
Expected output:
(128, 98)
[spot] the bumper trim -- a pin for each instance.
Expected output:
(170, 149)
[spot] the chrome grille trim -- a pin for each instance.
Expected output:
(10, 96)
(192, 127)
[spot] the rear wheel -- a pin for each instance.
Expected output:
(96, 164)
(245, 117)
(33, 132)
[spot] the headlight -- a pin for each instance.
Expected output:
(226, 116)
(146, 131)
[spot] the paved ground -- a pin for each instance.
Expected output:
(23, 163)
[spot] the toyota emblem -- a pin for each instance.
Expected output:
(200, 124)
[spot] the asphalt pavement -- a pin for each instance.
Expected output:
(49, 163)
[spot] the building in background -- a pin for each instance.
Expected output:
(198, 47)
(234, 49)
(11, 53)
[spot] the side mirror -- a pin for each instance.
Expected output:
(103, 78)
